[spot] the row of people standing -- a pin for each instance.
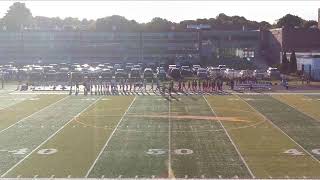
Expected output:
(205, 85)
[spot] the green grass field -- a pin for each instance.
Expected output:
(216, 136)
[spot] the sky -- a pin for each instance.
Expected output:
(144, 11)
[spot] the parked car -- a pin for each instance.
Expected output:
(222, 66)
(214, 72)
(120, 73)
(202, 73)
(148, 73)
(185, 71)
(273, 73)
(106, 74)
(135, 73)
(246, 73)
(259, 74)
(175, 73)
(230, 73)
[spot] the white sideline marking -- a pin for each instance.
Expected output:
(34, 99)
(106, 144)
(23, 119)
(234, 145)
(314, 158)
(49, 138)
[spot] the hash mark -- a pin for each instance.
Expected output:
(18, 176)
(35, 176)
(69, 176)
(185, 176)
(136, 177)
(52, 176)
(153, 176)
(102, 176)
(120, 176)
(220, 176)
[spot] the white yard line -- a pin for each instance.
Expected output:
(49, 138)
(25, 118)
(111, 135)
(280, 130)
(296, 108)
(234, 145)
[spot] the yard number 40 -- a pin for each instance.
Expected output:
(295, 152)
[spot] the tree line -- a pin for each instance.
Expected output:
(288, 65)
(19, 17)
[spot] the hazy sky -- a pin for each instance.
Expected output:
(144, 11)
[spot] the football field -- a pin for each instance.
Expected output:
(149, 136)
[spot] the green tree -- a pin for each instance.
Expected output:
(284, 64)
(309, 24)
(290, 20)
(159, 24)
(17, 17)
(293, 62)
(116, 23)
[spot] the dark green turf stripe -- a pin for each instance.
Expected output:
(300, 127)
(213, 154)
(127, 152)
